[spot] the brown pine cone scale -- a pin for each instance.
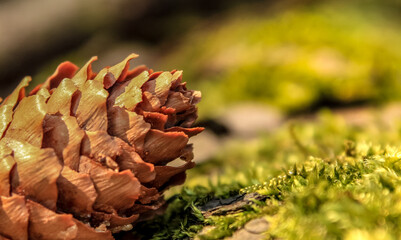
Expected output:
(85, 154)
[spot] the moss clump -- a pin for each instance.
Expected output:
(183, 219)
(341, 197)
(338, 182)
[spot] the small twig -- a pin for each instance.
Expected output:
(297, 142)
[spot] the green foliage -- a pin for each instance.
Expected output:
(182, 219)
(336, 200)
(295, 59)
(338, 182)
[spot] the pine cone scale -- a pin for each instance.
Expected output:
(87, 233)
(6, 166)
(77, 192)
(64, 70)
(27, 121)
(162, 147)
(92, 114)
(129, 159)
(165, 173)
(128, 126)
(46, 224)
(61, 99)
(118, 190)
(131, 95)
(14, 217)
(35, 173)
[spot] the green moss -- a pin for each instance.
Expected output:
(182, 219)
(334, 199)
(338, 182)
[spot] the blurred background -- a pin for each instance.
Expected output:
(258, 63)
(281, 80)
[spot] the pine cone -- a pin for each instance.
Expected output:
(85, 155)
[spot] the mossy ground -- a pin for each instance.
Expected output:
(322, 180)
